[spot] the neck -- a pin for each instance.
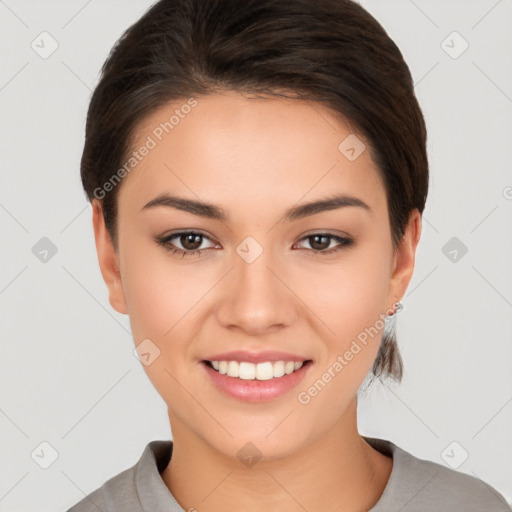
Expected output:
(339, 471)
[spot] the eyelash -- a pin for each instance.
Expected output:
(165, 242)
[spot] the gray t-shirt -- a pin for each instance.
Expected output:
(415, 485)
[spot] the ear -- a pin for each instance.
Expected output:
(108, 260)
(403, 266)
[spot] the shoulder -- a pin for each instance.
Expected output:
(135, 489)
(426, 486)
(119, 488)
(452, 490)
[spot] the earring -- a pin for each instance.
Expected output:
(398, 307)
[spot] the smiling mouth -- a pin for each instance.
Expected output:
(260, 371)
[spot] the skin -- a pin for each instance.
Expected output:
(256, 158)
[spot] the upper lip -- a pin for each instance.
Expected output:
(256, 357)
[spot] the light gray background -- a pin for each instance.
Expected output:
(68, 374)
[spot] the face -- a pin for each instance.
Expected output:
(315, 284)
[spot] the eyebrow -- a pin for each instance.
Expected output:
(211, 211)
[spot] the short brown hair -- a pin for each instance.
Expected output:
(330, 51)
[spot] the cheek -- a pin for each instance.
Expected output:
(155, 294)
(350, 302)
(349, 296)
(160, 300)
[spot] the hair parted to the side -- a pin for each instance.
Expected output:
(330, 51)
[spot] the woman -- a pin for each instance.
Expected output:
(258, 172)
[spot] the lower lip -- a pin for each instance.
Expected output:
(256, 390)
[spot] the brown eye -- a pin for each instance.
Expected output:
(320, 243)
(190, 243)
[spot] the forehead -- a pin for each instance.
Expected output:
(229, 147)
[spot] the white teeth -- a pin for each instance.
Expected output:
(260, 371)
(246, 371)
(223, 367)
(278, 369)
(233, 369)
(289, 367)
(264, 371)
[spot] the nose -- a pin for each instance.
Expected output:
(256, 297)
